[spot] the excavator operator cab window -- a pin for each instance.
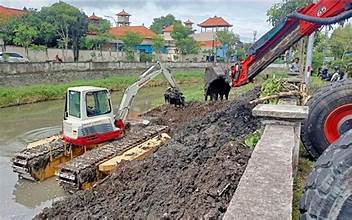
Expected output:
(74, 104)
(98, 103)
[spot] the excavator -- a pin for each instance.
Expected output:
(92, 134)
(327, 132)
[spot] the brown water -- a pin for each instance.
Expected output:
(22, 199)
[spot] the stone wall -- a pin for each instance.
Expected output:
(15, 74)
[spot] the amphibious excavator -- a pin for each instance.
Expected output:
(92, 134)
(328, 189)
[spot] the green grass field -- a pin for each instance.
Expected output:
(10, 96)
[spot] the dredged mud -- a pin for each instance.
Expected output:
(193, 176)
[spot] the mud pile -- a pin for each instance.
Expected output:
(193, 176)
(175, 117)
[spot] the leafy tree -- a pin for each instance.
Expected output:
(102, 27)
(184, 42)
(102, 37)
(160, 23)
(77, 30)
(70, 24)
(279, 11)
(24, 36)
(230, 39)
(130, 40)
(158, 44)
(7, 31)
(341, 41)
(46, 31)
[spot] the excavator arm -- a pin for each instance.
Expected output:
(172, 95)
(297, 25)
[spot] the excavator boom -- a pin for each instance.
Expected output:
(173, 95)
(280, 38)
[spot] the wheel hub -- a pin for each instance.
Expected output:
(338, 122)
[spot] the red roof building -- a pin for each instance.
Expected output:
(210, 44)
(93, 17)
(6, 13)
(216, 23)
(123, 19)
(141, 30)
(123, 13)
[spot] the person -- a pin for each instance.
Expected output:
(57, 59)
(295, 67)
(338, 75)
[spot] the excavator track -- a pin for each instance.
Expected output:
(82, 172)
(36, 161)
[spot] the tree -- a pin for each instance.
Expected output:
(102, 37)
(24, 36)
(77, 30)
(230, 39)
(184, 42)
(341, 41)
(279, 11)
(70, 24)
(160, 23)
(7, 31)
(158, 44)
(130, 40)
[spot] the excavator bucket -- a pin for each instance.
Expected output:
(216, 83)
(174, 96)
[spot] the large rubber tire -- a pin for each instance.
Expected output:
(328, 189)
(325, 101)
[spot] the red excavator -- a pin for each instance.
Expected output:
(328, 190)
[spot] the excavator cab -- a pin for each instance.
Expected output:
(88, 117)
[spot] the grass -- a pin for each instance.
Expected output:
(315, 84)
(10, 96)
(305, 166)
(252, 139)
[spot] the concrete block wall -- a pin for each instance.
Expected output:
(265, 191)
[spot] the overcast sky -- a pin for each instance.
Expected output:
(246, 16)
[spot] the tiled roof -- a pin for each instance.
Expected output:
(120, 31)
(209, 44)
(94, 17)
(123, 13)
(169, 28)
(204, 36)
(6, 13)
(215, 22)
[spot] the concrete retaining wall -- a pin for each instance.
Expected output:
(265, 191)
(14, 74)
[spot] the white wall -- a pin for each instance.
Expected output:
(84, 55)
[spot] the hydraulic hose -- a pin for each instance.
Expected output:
(322, 21)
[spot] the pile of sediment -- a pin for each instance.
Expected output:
(193, 176)
(175, 117)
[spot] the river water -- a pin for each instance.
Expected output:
(23, 199)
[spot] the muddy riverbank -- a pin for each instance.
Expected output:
(193, 176)
(22, 199)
